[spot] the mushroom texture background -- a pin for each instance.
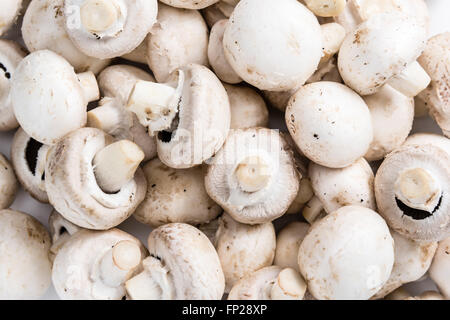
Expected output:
(24, 202)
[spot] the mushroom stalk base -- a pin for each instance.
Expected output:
(88, 83)
(289, 285)
(253, 174)
(105, 117)
(98, 15)
(411, 81)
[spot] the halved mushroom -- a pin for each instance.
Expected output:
(190, 115)
(48, 98)
(61, 230)
(182, 265)
(8, 14)
(51, 34)
(253, 177)
(93, 181)
(25, 269)
(349, 254)
(178, 38)
(439, 270)
(8, 183)
(94, 265)
(10, 56)
(288, 244)
(175, 195)
(108, 28)
(330, 123)
(189, 4)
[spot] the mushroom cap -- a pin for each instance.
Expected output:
(139, 54)
(392, 119)
(8, 183)
(243, 249)
(191, 259)
(178, 38)
(72, 187)
(46, 93)
(175, 195)
(436, 140)
(349, 254)
(24, 263)
(270, 202)
(380, 48)
(273, 45)
(190, 4)
(336, 188)
(213, 14)
(10, 56)
(10, 11)
(427, 295)
(61, 230)
(51, 34)
(203, 120)
(74, 274)
(134, 23)
(288, 244)
(330, 123)
(435, 60)
(279, 99)
(248, 109)
(216, 55)
(28, 158)
(440, 267)
(414, 223)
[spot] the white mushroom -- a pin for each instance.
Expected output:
(139, 54)
(326, 8)
(25, 269)
(219, 11)
(48, 98)
(304, 195)
(182, 265)
(175, 195)
(278, 49)
(108, 28)
(61, 230)
(288, 244)
(8, 14)
(94, 265)
(93, 181)
(330, 123)
(253, 177)
(333, 34)
(427, 295)
(8, 183)
(189, 4)
(440, 268)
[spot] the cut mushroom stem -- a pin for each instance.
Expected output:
(326, 8)
(99, 15)
(89, 85)
(411, 81)
(312, 210)
(289, 285)
(105, 117)
(253, 174)
(116, 164)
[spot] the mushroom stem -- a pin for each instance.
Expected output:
(89, 85)
(333, 34)
(253, 174)
(312, 210)
(118, 263)
(116, 164)
(411, 81)
(326, 8)
(105, 117)
(289, 285)
(98, 15)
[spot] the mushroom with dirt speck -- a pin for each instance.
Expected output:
(8, 183)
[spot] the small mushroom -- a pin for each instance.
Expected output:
(349, 254)
(435, 60)
(383, 50)
(253, 177)
(326, 8)
(270, 283)
(9, 13)
(278, 49)
(139, 54)
(305, 193)
(175, 195)
(51, 34)
(288, 244)
(111, 116)
(248, 109)
(48, 98)
(94, 265)
(219, 11)
(190, 114)
(182, 265)
(108, 28)
(392, 120)
(61, 230)
(189, 4)
(333, 34)
(330, 123)
(25, 269)
(93, 181)
(439, 270)
(10, 56)
(8, 183)
(180, 37)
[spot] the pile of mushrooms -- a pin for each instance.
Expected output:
(224, 149)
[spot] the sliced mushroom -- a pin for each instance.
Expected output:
(439, 270)
(189, 4)
(253, 177)
(61, 230)
(25, 269)
(94, 265)
(48, 98)
(349, 254)
(108, 28)
(182, 265)
(175, 195)
(9, 13)
(288, 244)
(8, 183)
(93, 181)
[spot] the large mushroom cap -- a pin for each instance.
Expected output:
(8, 183)
(349, 254)
(273, 45)
(72, 187)
(25, 268)
(8, 14)
(190, 4)
(253, 177)
(440, 267)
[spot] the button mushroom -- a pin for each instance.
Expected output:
(182, 265)
(25, 269)
(189, 4)
(439, 270)
(8, 183)
(93, 181)
(48, 98)
(61, 230)
(427, 295)
(253, 177)
(305, 193)
(349, 254)
(94, 265)
(8, 14)
(139, 54)
(326, 8)
(288, 244)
